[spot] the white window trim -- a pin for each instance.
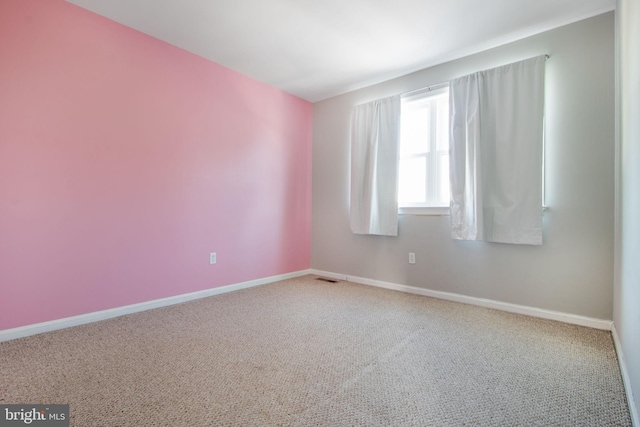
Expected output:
(425, 210)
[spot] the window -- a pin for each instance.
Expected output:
(423, 185)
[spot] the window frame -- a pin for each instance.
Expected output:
(408, 209)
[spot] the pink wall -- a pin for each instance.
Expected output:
(124, 161)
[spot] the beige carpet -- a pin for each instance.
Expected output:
(308, 353)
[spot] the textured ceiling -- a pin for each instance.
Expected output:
(317, 49)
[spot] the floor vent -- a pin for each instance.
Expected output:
(324, 279)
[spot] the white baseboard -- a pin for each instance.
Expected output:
(53, 325)
(38, 328)
(482, 302)
(635, 416)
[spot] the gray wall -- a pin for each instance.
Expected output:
(627, 283)
(572, 271)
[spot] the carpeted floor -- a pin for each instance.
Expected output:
(308, 353)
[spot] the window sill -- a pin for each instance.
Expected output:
(432, 211)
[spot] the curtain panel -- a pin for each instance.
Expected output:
(496, 153)
(375, 134)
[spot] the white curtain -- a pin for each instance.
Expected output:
(496, 153)
(375, 134)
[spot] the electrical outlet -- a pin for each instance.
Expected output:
(212, 258)
(412, 258)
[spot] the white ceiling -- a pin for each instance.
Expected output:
(316, 49)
